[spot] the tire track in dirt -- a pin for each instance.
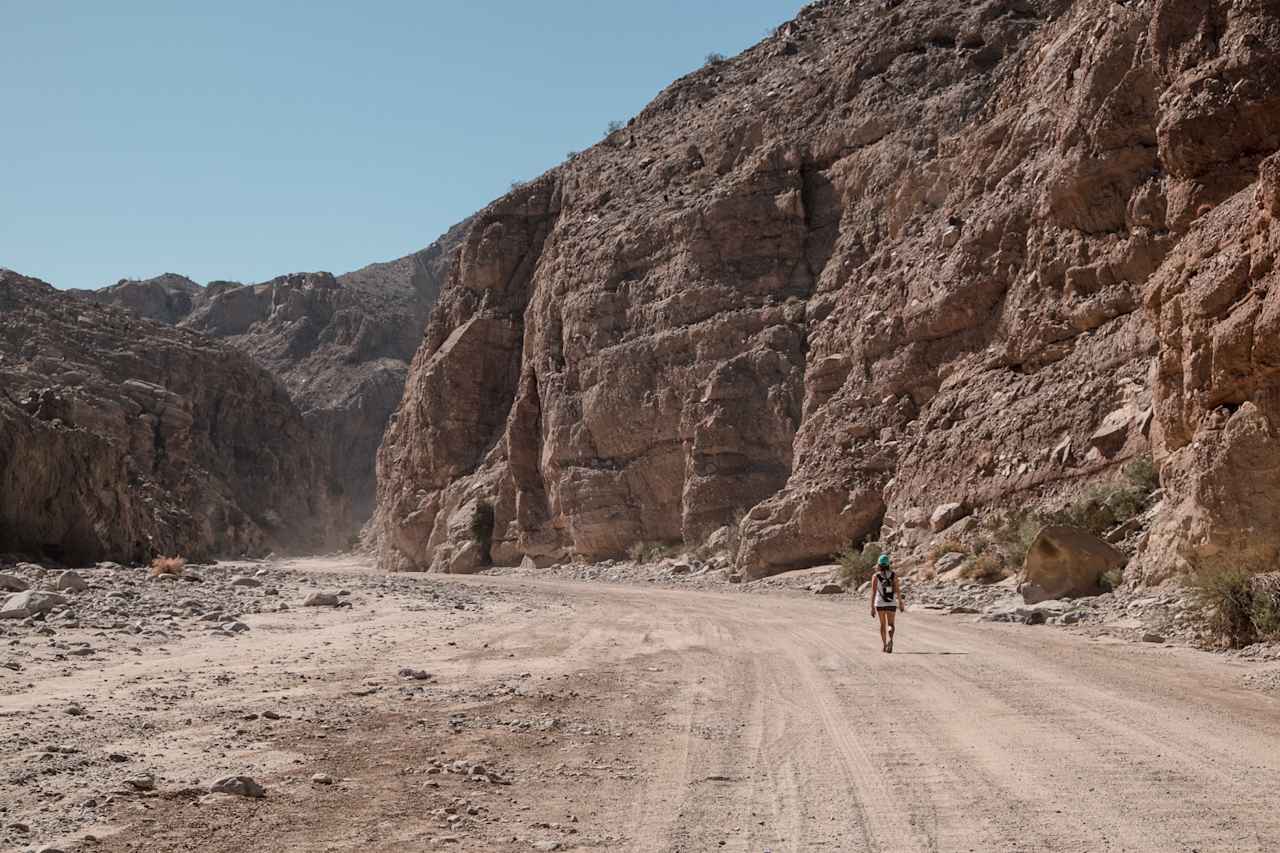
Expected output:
(1047, 731)
(883, 828)
(952, 789)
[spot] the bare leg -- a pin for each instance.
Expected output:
(884, 637)
(887, 619)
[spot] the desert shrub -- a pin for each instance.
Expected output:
(947, 546)
(983, 568)
(1226, 603)
(727, 548)
(482, 521)
(1110, 580)
(650, 552)
(1102, 508)
(1012, 536)
(573, 155)
(613, 127)
(714, 59)
(1266, 615)
(517, 184)
(858, 564)
(168, 565)
(1239, 605)
(1142, 474)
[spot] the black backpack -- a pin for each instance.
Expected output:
(885, 580)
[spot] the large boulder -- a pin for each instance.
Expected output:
(30, 603)
(1066, 562)
(947, 515)
(13, 583)
(70, 581)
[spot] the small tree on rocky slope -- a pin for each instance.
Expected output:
(857, 565)
(482, 521)
(1240, 605)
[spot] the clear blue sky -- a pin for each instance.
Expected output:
(243, 140)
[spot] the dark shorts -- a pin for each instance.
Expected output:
(892, 608)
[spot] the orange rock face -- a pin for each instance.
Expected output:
(891, 258)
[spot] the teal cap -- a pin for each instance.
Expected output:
(884, 560)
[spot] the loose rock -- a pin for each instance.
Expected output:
(241, 786)
(13, 583)
(70, 581)
(30, 603)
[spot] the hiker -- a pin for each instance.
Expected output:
(886, 600)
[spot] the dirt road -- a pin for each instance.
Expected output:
(586, 716)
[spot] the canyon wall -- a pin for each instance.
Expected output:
(341, 345)
(123, 439)
(897, 255)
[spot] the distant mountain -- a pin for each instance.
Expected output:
(340, 345)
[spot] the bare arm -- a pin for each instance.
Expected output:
(897, 593)
(874, 580)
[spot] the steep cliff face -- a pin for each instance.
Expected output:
(1217, 302)
(340, 345)
(122, 439)
(893, 256)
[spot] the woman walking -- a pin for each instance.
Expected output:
(886, 597)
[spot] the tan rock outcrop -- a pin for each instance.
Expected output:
(898, 264)
(1217, 383)
(1066, 562)
(121, 439)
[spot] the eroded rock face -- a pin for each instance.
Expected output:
(1217, 381)
(892, 257)
(122, 439)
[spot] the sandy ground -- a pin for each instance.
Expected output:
(582, 716)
